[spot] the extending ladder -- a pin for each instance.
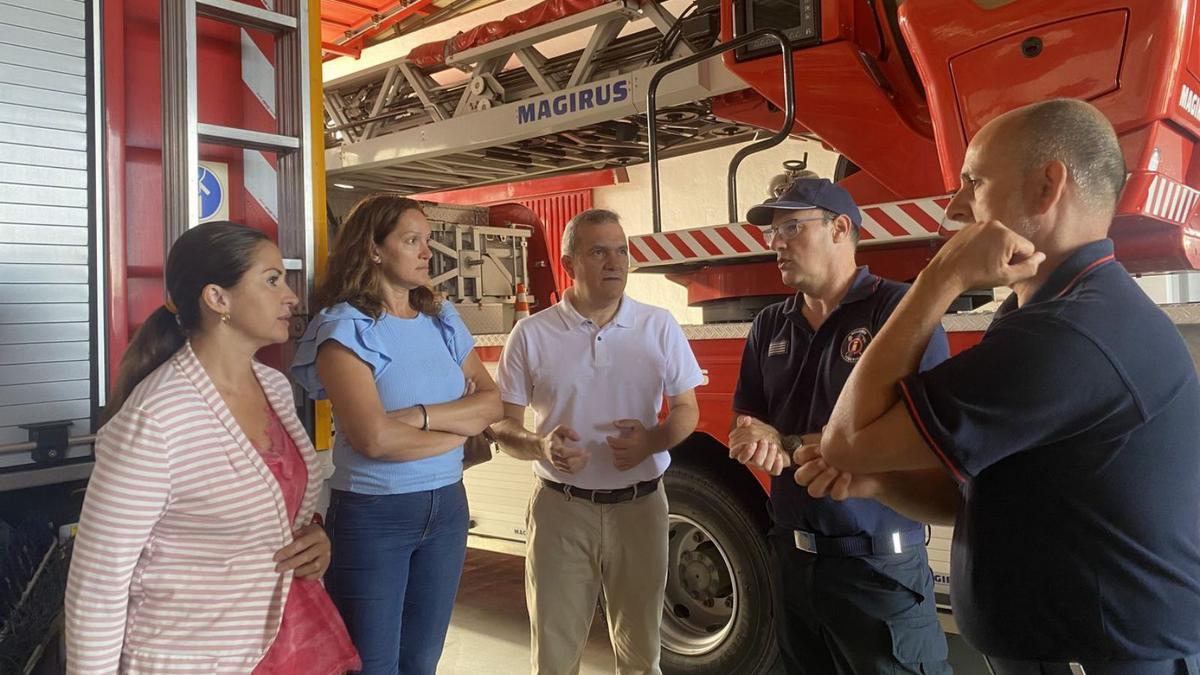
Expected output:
(291, 142)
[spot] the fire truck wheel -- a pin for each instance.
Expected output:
(717, 606)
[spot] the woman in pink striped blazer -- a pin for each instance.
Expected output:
(195, 552)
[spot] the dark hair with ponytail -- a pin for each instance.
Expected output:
(218, 252)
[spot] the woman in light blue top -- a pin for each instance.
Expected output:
(407, 390)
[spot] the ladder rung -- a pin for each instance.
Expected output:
(244, 138)
(245, 15)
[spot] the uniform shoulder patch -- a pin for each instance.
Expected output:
(855, 344)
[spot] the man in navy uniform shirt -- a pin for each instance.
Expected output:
(1064, 446)
(855, 593)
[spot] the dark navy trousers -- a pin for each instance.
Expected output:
(856, 615)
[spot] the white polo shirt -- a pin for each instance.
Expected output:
(575, 373)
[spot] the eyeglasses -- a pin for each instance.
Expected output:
(788, 229)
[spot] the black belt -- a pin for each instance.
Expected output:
(605, 496)
(860, 544)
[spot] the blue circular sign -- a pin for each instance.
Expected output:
(212, 194)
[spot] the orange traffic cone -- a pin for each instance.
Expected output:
(521, 305)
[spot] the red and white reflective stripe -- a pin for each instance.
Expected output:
(734, 240)
(919, 218)
(260, 176)
(882, 223)
(1170, 200)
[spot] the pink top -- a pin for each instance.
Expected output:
(312, 638)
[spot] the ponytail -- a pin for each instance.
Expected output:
(154, 342)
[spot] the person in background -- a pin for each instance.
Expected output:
(407, 389)
(196, 551)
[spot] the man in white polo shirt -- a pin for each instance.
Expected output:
(595, 368)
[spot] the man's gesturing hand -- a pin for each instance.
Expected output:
(758, 444)
(632, 447)
(558, 448)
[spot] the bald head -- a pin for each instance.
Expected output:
(1078, 135)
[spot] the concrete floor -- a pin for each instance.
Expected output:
(489, 632)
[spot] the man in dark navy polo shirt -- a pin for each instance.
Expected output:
(1065, 447)
(855, 589)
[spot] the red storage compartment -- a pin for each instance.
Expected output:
(1030, 66)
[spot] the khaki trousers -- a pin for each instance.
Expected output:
(578, 550)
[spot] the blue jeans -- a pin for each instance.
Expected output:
(394, 573)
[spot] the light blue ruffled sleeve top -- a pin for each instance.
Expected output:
(414, 361)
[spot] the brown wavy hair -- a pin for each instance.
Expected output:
(350, 276)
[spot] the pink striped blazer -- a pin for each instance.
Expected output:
(172, 570)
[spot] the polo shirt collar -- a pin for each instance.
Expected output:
(1067, 275)
(572, 319)
(864, 286)
(624, 317)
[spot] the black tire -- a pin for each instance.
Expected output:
(721, 526)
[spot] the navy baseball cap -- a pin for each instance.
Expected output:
(808, 193)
